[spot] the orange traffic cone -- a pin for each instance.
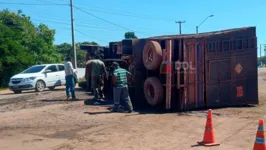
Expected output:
(209, 138)
(260, 139)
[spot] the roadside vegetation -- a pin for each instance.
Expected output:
(23, 44)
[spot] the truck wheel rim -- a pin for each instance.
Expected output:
(150, 55)
(151, 92)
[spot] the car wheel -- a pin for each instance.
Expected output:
(17, 91)
(40, 86)
(51, 88)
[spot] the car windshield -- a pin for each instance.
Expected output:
(34, 69)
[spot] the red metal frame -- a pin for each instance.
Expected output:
(169, 74)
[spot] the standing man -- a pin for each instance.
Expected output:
(88, 74)
(120, 79)
(70, 85)
(97, 73)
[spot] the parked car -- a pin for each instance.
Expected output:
(38, 77)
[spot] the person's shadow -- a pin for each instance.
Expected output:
(97, 113)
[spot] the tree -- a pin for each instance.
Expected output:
(130, 35)
(65, 49)
(22, 44)
(43, 49)
(262, 59)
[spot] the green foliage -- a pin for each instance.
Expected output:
(130, 35)
(65, 50)
(262, 59)
(22, 44)
(83, 84)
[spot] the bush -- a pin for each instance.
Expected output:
(83, 83)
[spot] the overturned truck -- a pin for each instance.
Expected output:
(193, 71)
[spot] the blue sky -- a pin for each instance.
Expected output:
(153, 17)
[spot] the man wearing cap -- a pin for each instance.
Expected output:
(120, 79)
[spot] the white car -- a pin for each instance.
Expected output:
(38, 77)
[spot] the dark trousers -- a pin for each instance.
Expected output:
(70, 86)
(97, 86)
(98, 92)
(122, 94)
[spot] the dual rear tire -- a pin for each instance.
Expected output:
(152, 59)
(153, 91)
(152, 55)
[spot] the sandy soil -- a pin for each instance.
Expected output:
(45, 121)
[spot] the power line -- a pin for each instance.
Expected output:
(80, 32)
(12, 3)
(90, 36)
(59, 18)
(44, 1)
(122, 27)
(49, 2)
(116, 13)
(87, 26)
(79, 10)
(107, 20)
(127, 14)
(97, 10)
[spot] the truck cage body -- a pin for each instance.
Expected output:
(213, 69)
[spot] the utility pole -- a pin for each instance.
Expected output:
(180, 26)
(73, 35)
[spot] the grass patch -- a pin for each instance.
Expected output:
(3, 88)
(82, 83)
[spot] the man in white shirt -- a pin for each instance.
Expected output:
(70, 79)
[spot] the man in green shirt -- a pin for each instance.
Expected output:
(120, 79)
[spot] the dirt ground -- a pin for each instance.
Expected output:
(45, 121)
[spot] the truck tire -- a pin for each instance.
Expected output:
(152, 55)
(153, 91)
